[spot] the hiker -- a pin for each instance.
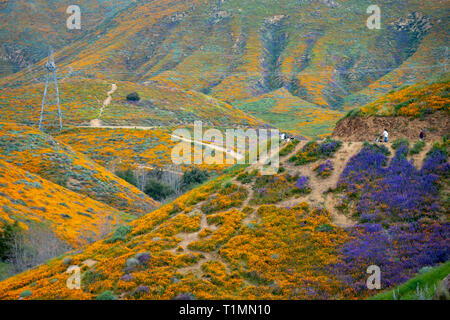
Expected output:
(421, 135)
(386, 135)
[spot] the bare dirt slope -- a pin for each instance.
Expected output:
(367, 128)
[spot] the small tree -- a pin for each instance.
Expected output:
(128, 176)
(34, 246)
(7, 233)
(193, 177)
(158, 190)
(172, 175)
(133, 97)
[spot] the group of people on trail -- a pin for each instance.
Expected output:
(385, 136)
(286, 137)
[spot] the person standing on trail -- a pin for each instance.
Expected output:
(386, 136)
(421, 135)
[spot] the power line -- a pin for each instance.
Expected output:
(51, 68)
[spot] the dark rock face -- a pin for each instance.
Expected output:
(415, 23)
(15, 55)
(274, 39)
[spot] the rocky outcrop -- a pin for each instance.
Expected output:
(15, 55)
(415, 23)
(219, 16)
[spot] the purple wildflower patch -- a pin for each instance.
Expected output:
(398, 208)
(303, 185)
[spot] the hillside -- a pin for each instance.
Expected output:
(122, 148)
(320, 51)
(39, 153)
(106, 194)
(290, 113)
(247, 236)
(82, 100)
(27, 198)
(404, 113)
(22, 45)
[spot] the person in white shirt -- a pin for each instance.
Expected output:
(386, 135)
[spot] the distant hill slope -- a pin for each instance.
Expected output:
(403, 112)
(305, 233)
(30, 27)
(26, 197)
(39, 153)
(321, 51)
(290, 113)
(81, 101)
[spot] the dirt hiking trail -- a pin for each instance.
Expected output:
(97, 122)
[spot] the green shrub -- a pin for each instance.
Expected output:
(119, 234)
(227, 185)
(418, 147)
(106, 295)
(128, 176)
(247, 177)
(324, 228)
(26, 293)
(7, 233)
(157, 190)
(134, 96)
(401, 141)
(193, 177)
(313, 151)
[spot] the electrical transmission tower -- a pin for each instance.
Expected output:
(51, 68)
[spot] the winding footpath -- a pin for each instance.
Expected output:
(97, 122)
